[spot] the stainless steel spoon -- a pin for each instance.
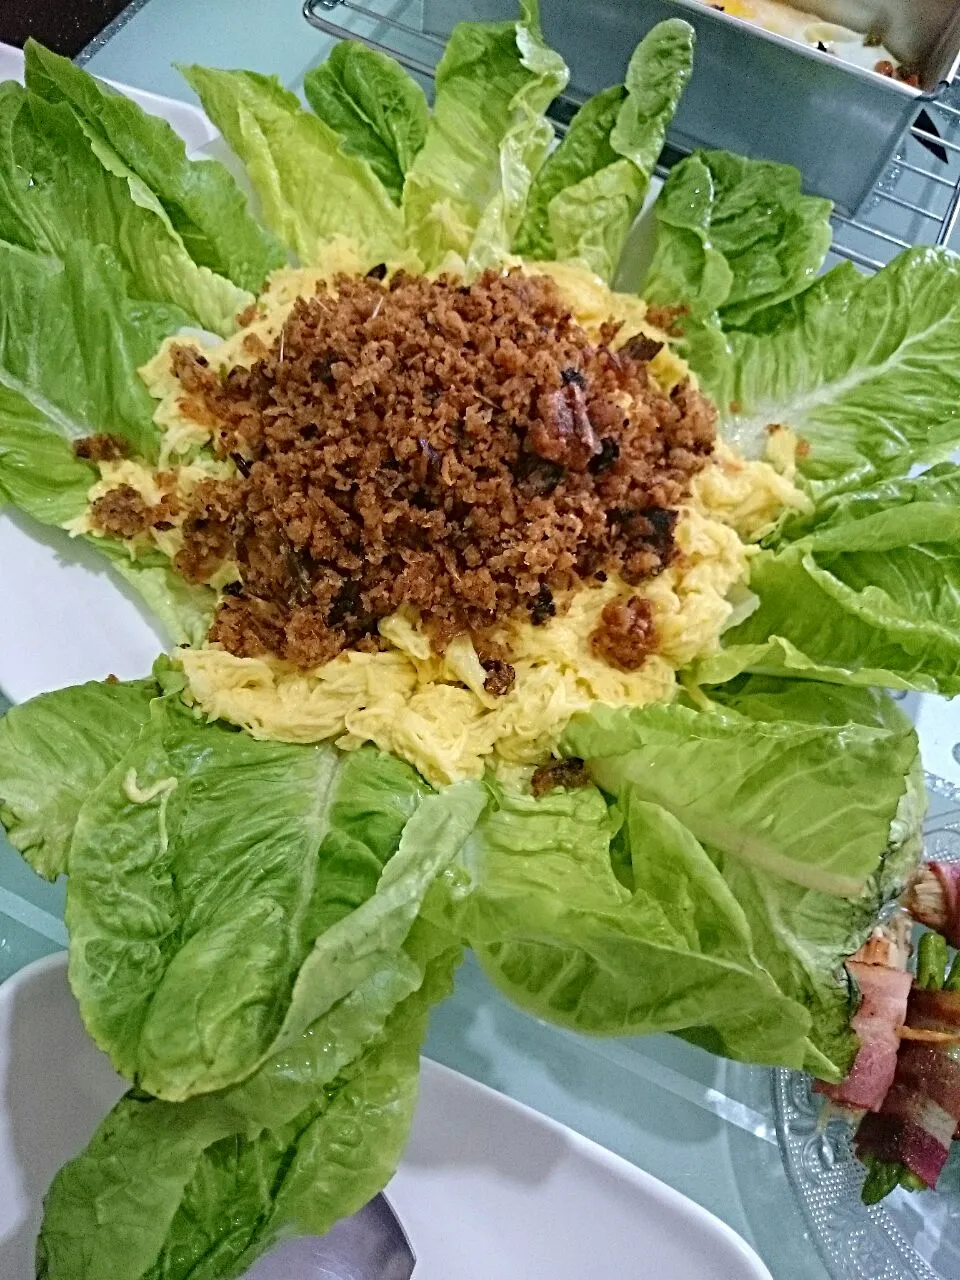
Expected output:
(371, 1245)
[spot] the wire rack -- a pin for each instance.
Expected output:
(917, 201)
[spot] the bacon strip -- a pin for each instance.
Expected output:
(918, 1118)
(934, 899)
(882, 1010)
(934, 1010)
(878, 970)
(903, 1141)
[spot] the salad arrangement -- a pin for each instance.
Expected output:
(512, 611)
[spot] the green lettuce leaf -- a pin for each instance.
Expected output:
(71, 341)
(736, 235)
(201, 198)
(311, 188)
(812, 803)
(870, 596)
(758, 842)
(487, 137)
(560, 934)
(39, 472)
(586, 196)
(225, 892)
(56, 750)
(201, 1188)
(377, 110)
(183, 609)
(855, 366)
(808, 702)
(54, 191)
(801, 936)
(771, 699)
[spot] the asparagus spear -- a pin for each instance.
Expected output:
(882, 1177)
(931, 962)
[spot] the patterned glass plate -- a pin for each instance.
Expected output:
(907, 1236)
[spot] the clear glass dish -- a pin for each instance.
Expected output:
(907, 1236)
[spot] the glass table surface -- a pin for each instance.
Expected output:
(702, 1125)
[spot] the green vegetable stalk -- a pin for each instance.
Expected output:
(931, 962)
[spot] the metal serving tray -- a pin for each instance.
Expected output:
(757, 93)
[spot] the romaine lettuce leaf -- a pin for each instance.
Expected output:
(855, 366)
(487, 137)
(812, 803)
(224, 892)
(808, 702)
(39, 472)
(562, 936)
(378, 111)
(201, 198)
(54, 191)
(201, 1188)
(187, 909)
(756, 845)
(736, 235)
(760, 697)
(311, 189)
(870, 596)
(183, 609)
(54, 752)
(801, 936)
(71, 341)
(584, 199)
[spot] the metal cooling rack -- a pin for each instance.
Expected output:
(916, 202)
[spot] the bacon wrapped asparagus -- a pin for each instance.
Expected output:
(907, 1141)
(879, 969)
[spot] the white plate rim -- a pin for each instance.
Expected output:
(669, 1201)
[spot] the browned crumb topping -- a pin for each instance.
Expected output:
(101, 448)
(640, 347)
(500, 677)
(125, 513)
(247, 315)
(626, 634)
(668, 318)
(122, 512)
(462, 449)
(559, 773)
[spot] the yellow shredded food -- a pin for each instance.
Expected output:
(434, 711)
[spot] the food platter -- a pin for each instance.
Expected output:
(905, 1238)
(801, 735)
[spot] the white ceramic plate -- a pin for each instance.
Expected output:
(487, 1188)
